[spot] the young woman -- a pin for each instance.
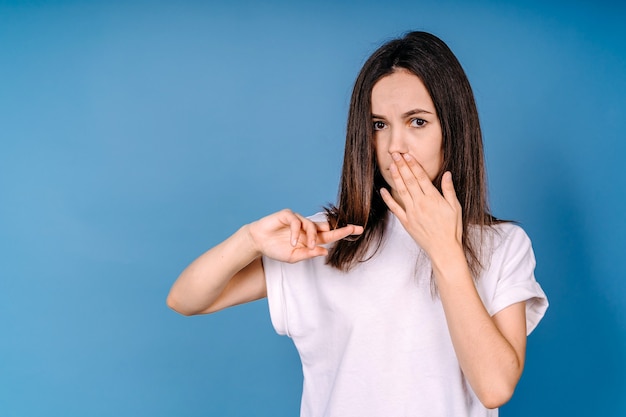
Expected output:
(408, 298)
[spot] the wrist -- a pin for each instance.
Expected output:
(248, 244)
(449, 262)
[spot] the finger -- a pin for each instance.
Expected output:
(295, 226)
(356, 230)
(303, 253)
(310, 230)
(420, 174)
(447, 187)
(322, 226)
(341, 233)
(392, 204)
(325, 227)
(410, 181)
(400, 187)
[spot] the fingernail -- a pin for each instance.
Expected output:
(395, 156)
(407, 157)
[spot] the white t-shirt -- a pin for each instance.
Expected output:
(374, 341)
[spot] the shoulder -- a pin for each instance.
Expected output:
(510, 233)
(500, 248)
(506, 249)
(499, 237)
(509, 274)
(513, 240)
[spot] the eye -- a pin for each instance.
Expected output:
(418, 122)
(378, 125)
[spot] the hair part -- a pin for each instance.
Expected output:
(359, 200)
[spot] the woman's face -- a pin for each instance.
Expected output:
(405, 121)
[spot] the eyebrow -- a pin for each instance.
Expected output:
(407, 114)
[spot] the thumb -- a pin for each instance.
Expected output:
(447, 187)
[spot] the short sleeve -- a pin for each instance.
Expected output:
(275, 294)
(279, 291)
(516, 278)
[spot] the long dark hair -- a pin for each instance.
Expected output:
(429, 58)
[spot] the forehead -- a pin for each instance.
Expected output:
(400, 90)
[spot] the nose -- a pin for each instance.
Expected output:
(398, 141)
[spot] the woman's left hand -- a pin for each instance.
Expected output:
(432, 219)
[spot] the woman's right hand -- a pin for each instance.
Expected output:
(231, 273)
(289, 237)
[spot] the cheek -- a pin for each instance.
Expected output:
(432, 161)
(379, 152)
(436, 161)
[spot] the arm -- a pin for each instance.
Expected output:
(231, 273)
(490, 350)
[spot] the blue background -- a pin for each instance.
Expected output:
(136, 135)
